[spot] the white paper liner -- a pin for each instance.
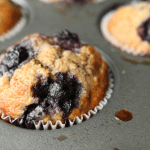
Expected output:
(40, 125)
(115, 42)
(19, 25)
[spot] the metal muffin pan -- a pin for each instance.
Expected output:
(102, 131)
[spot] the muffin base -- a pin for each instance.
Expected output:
(50, 126)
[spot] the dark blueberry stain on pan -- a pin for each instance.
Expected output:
(124, 115)
(62, 137)
(62, 94)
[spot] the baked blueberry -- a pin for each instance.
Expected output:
(3, 69)
(15, 56)
(67, 40)
(144, 30)
(63, 94)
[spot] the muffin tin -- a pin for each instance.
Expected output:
(131, 91)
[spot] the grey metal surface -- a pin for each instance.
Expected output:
(101, 132)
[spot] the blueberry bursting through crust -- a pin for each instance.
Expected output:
(68, 41)
(144, 30)
(62, 94)
(15, 56)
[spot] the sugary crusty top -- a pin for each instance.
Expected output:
(125, 23)
(87, 66)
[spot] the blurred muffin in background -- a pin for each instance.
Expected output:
(128, 28)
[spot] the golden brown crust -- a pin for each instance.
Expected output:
(87, 66)
(10, 14)
(124, 24)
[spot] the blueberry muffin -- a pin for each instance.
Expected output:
(130, 27)
(51, 78)
(10, 14)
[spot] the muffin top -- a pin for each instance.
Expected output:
(51, 78)
(130, 25)
(10, 14)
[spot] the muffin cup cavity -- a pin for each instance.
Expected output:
(19, 25)
(17, 28)
(50, 126)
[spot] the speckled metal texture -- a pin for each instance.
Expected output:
(102, 131)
